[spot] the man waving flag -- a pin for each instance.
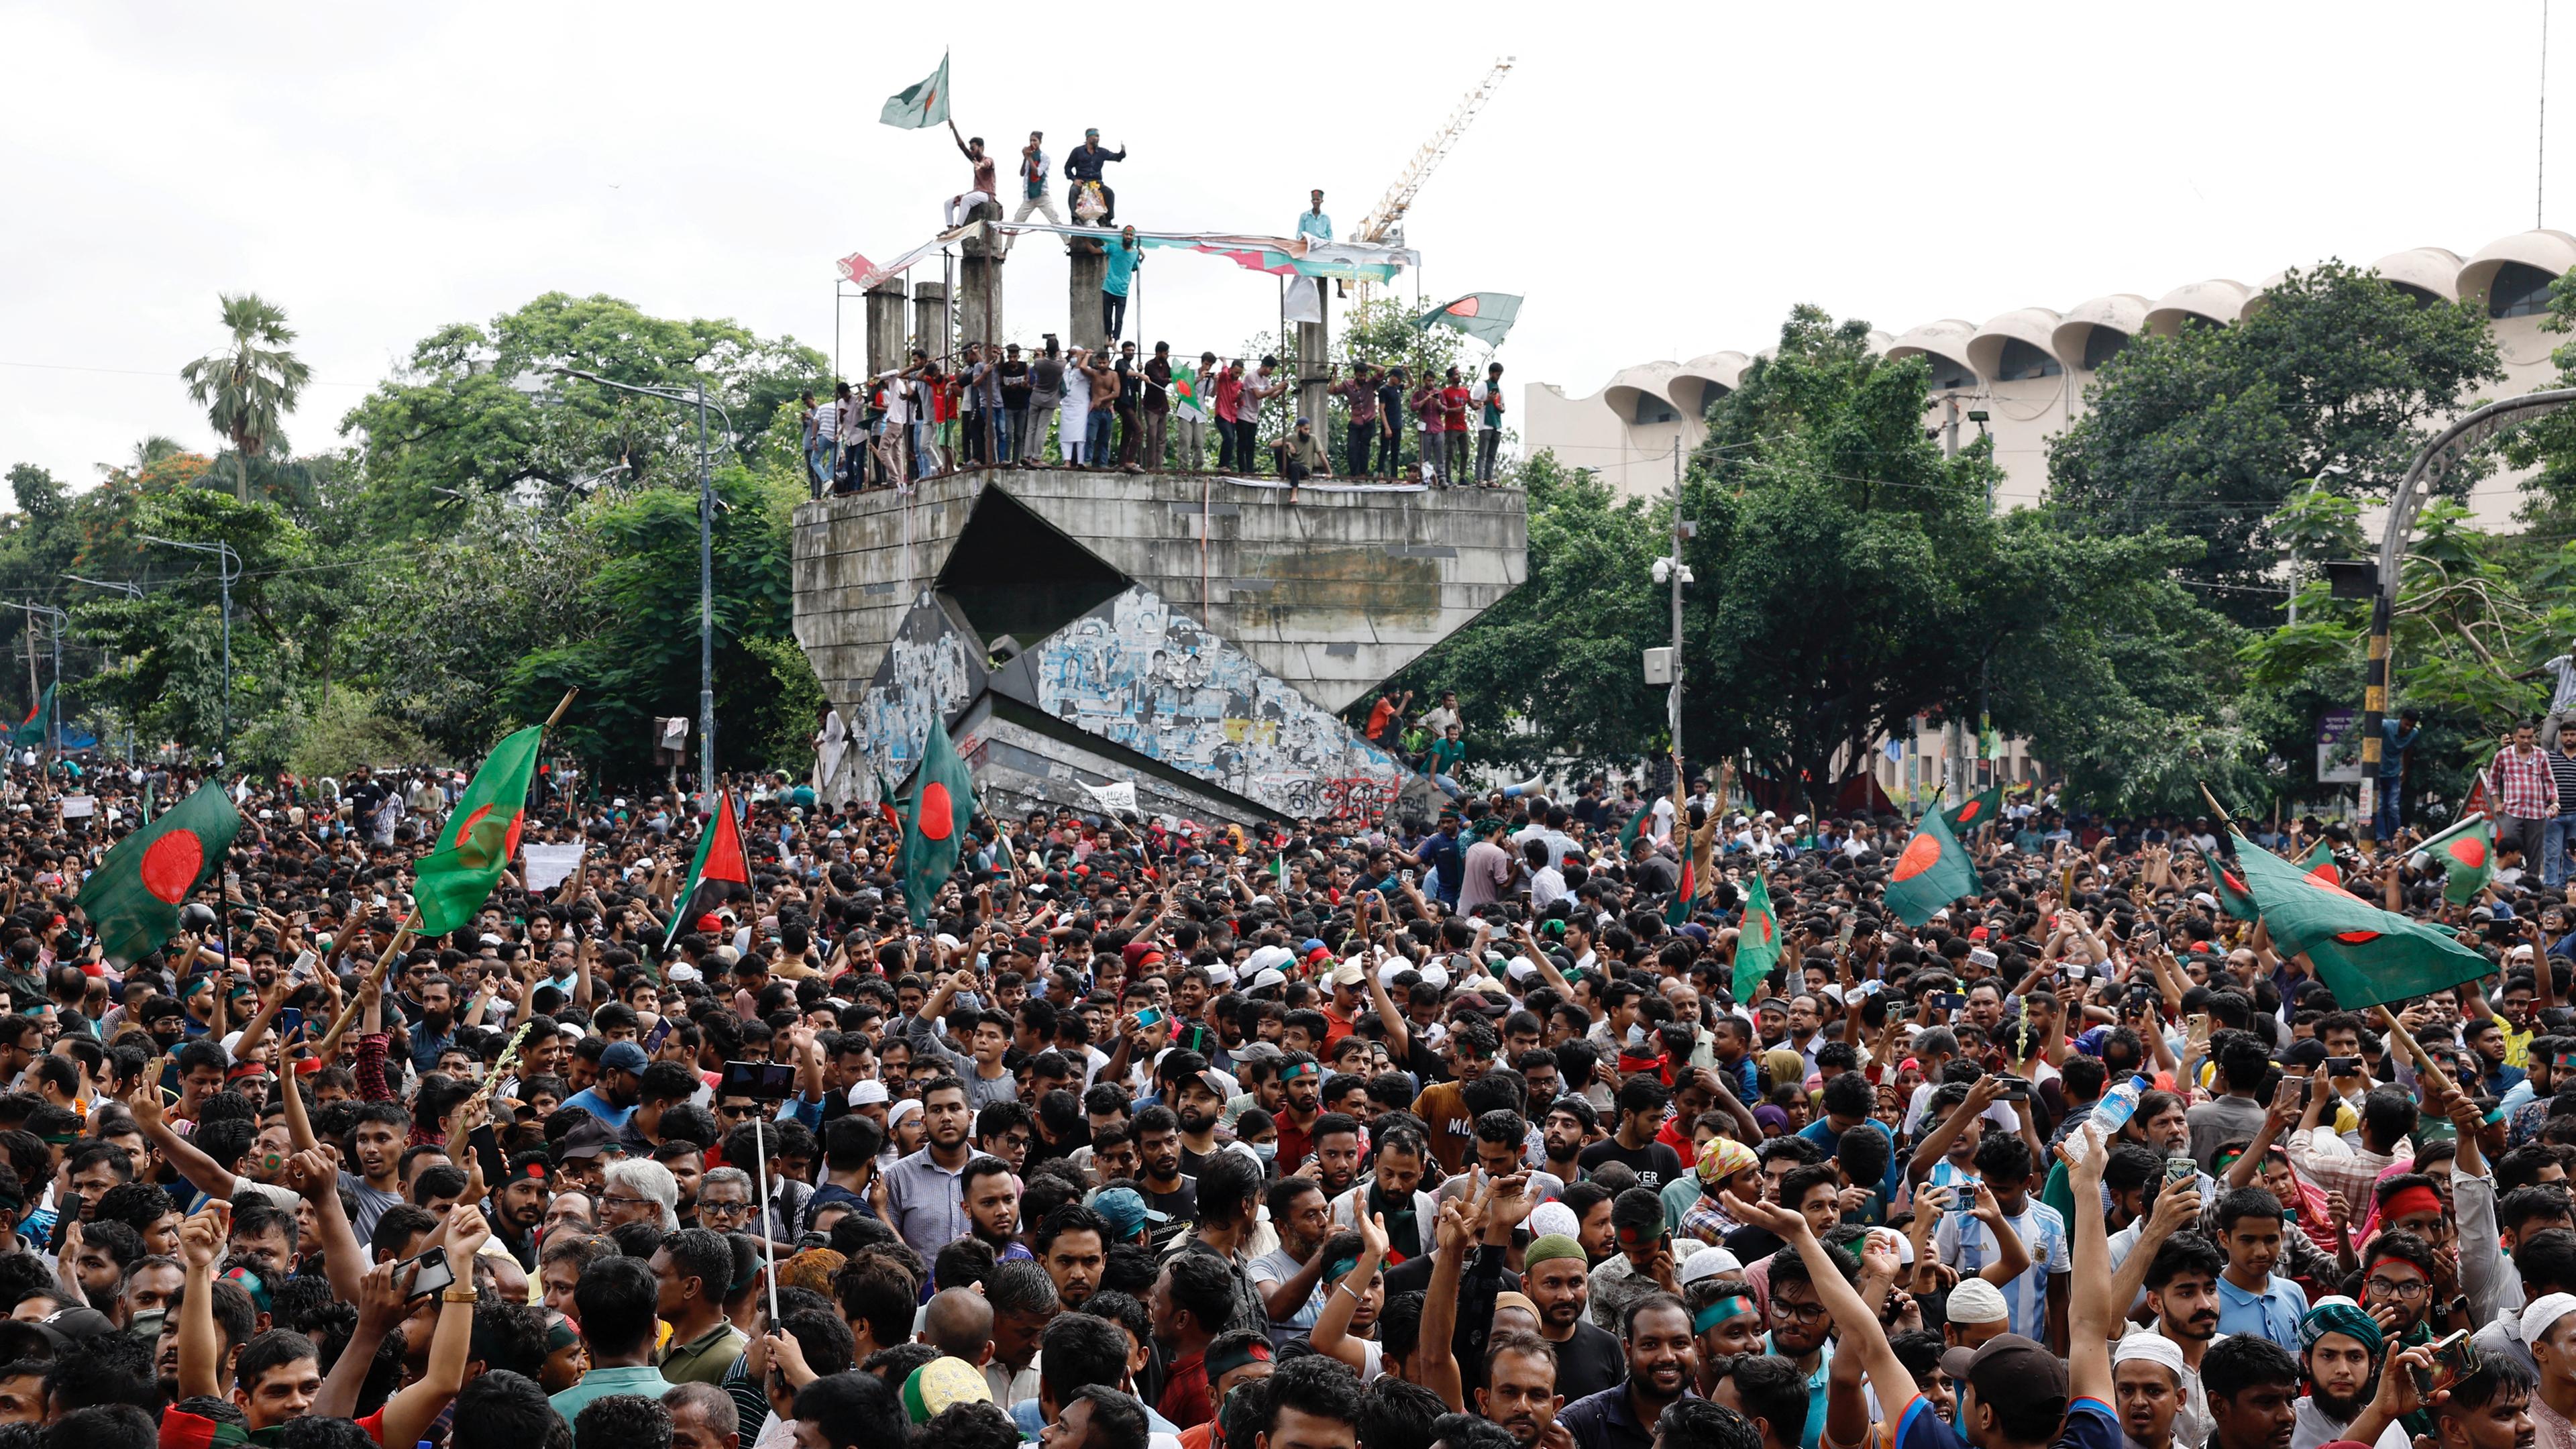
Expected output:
(481, 837)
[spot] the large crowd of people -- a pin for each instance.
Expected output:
(1327, 1134)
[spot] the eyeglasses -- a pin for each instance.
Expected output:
(628, 1202)
(722, 1209)
(2385, 1288)
(1799, 1312)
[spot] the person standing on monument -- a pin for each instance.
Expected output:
(1359, 390)
(1034, 167)
(1312, 222)
(1261, 387)
(1046, 394)
(1488, 401)
(1390, 422)
(1131, 398)
(1014, 374)
(1157, 404)
(963, 205)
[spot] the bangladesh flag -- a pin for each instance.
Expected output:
(2365, 956)
(1931, 873)
(1757, 941)
(1679, 911)
(923, 103)
(942, 806)
(1485, 316)
(2321, 864)
(1975, 813)
(886, 803)
(2228, 886)
(1636, 823)
(33, 729)
(2467, 854)
(457, 878)
(133, 899)
(721, 859)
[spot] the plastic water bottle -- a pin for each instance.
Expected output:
(2119, 1104)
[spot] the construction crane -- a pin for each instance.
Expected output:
(1388, 215)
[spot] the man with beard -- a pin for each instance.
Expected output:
(2549, 1327)
(1557, 1277)
(1663, 1364)
(1519, 1392)
(433, 1028)
(2146, 1378)
(1168, 1190)
(1301, 1082)
(2339, 1346)
(924, 1191)
(992, 1201)
(519, 1207)
(1563, 1134)
(1290, 1277)
(1199, 1095)
(2182, 1292)
(612, 1099)
(1335, 1163)
(1073, 1245)
(2253, 1386)
(1799, 1329)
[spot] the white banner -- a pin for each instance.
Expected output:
(548, 865)
(76, 807)
(1120, 795)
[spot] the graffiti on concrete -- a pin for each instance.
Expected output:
(1140, 673)
(932, 668)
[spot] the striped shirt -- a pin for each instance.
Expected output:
(1965, 1244)
(2525, 786)
(2562, 769)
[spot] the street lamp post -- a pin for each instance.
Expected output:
(697, 397)
(2432, 464)
(131, 590)
(227, 569)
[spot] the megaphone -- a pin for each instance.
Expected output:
(1529, 786)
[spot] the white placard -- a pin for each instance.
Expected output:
(547, 865)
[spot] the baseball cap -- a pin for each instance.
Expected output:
(587, 1139)
(2011, 1366)
(623, 1056)
(1123, 1208)
(1350, 973)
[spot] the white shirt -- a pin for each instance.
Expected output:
(1547, 887)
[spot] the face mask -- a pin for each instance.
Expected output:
(1268, 1152)
(147, 1326)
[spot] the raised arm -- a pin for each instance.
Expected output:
(2092, 1313)
(201, 1242)
(1858, 1325)
(1331, 1334)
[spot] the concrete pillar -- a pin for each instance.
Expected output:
(1090, 267)
(930, 318)
(1313, 357)
(979, 300)
(887, 331)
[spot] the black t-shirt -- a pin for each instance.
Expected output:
(1751, 1245)
(1589, 1362)
(1015, 384)
(1655, 1164)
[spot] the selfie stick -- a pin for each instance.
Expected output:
(768, 1265)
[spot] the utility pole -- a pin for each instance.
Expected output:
(1681, 530)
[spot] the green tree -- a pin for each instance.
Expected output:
(1550, 673)
(248, 388)
(2209, 431)
(455, 422)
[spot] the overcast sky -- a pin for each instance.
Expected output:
(1660, 180)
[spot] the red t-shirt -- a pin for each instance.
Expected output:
(1453, 409)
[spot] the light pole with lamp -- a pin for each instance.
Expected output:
(227, 568)
(697, 397)
(131, 590)
(2433, 463)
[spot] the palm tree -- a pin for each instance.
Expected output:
(247, 389)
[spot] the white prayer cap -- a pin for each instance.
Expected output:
(1556, 1217)
(1708, 1263)
(2143, 1343)
(2543, 1315)
(1977, 1301)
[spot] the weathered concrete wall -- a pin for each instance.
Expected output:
(1332, 595)
(1019, 769)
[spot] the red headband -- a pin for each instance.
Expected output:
(2410, 1199)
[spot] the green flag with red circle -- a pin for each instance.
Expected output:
(455, 880)
(934, 826)
(1976, 812)
(721, 861)
(2467, 854)
(2364, 955)
(1757, 939)
(2228, 886)
(1932, 872)
(133, 898)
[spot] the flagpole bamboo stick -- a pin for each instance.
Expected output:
(2424, 1063)
(2223, 817)
(565, 704)
(376, 974)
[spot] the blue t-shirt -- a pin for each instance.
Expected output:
(1122, 266)
(589, 1100)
